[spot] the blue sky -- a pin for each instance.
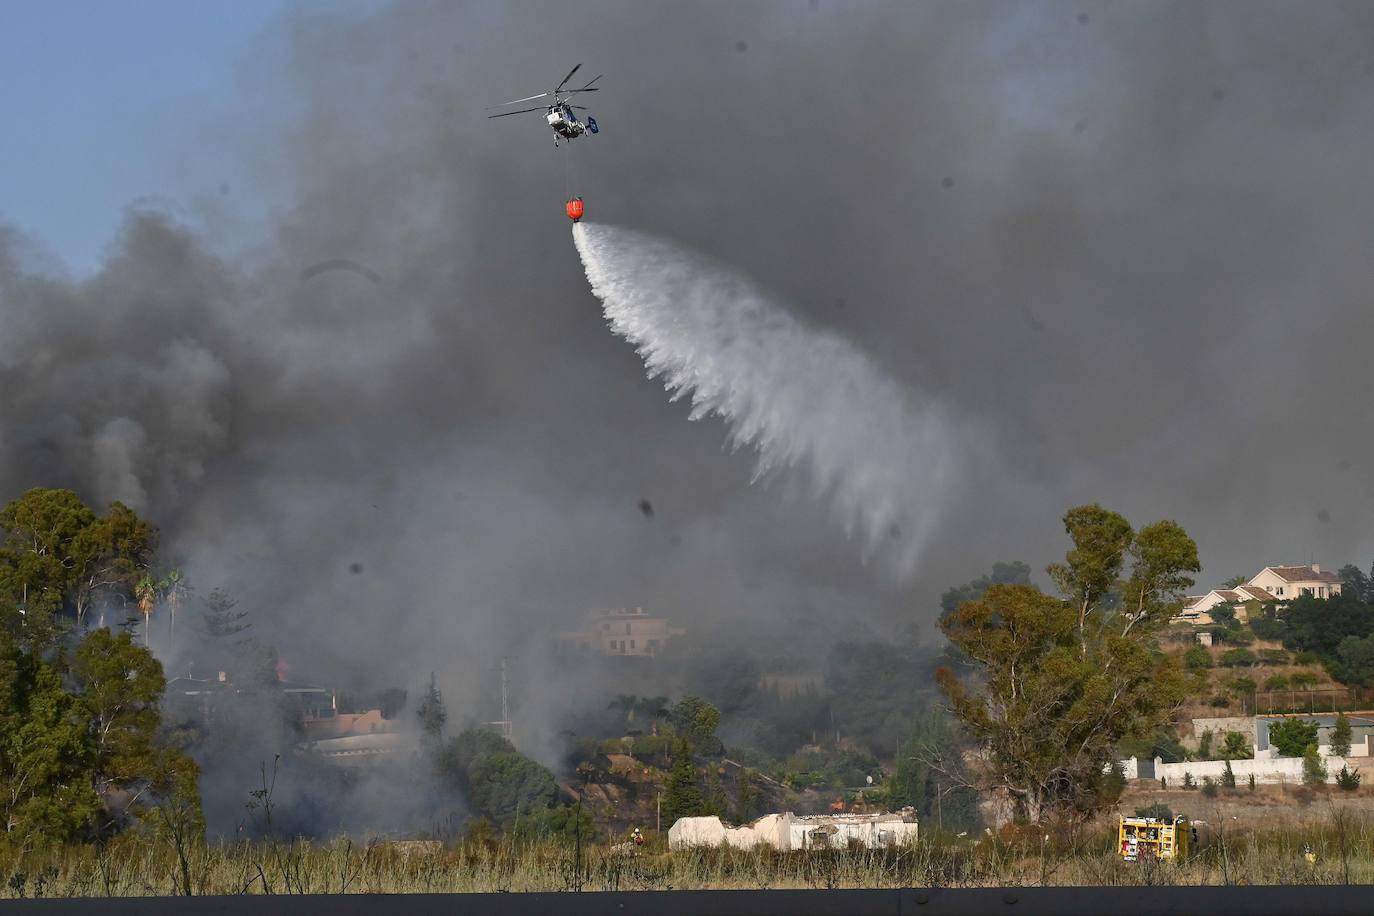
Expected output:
(102, 102)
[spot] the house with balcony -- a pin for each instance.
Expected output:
(618, 631)
(1271, 585)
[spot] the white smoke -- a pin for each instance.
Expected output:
(799, 396)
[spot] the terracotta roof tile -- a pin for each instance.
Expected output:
(1304, 574)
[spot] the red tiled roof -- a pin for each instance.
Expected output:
(1304, 574)
(1257, 593)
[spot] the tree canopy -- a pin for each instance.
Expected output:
(1060, 682)
(58, 559)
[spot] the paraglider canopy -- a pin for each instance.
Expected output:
(574, 209)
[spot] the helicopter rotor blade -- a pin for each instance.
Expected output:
(568, 77)
(576, 91)
(507, 114)
(590, 81)
(518, 101)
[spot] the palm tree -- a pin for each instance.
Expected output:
(626, 703)
(654, 709)
(147, 592)
(177, 589)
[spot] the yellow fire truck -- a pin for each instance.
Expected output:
(1153, 838)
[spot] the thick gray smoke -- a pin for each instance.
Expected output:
(800, 397)
(1127, 242)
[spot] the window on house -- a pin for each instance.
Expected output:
(627, 628)
(632, 644)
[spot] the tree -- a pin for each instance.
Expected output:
(507, 784)
(1313, 769)
(1290, 736)
(1348, 779)
(121, 685)
(176, 590)
(1092, 568)
(1235, 747)
(1204, 745)
(47, 794)
(147, 592)
(654, 710)
(681, 797)
(1340, 737)
(1014, 573)
(626, 704)
(432, 712)
(58, 558)
(1061, 682)
(1355, 661)
(1225, 615)
(1228, 776)
(1355, 583)
(696, 720)
(499, 782)
(1235, 582)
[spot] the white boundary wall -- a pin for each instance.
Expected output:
(1267, 767)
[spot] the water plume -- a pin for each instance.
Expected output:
(801, 397)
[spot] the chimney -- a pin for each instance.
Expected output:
(221, 677)
(1316, 567)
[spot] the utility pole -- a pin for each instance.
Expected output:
(658, 813)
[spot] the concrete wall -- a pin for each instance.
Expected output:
(1220, 725)
(1266, 767)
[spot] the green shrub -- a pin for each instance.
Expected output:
(1157, 810)
(1276, 682)
(1219, 701)
(1348, 779)
(1188, 782)
(1273, 656)
(1268, 628)
(1209, 788)
(1197, 658)
(1306, 658)
(1291, 736)
(1234, 658)
(1303, 680)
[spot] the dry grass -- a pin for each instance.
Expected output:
(1342, 843)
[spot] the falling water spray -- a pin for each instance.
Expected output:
(800, 397)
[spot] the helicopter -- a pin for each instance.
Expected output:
(559, 113)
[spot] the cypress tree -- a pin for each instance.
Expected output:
(682, 798)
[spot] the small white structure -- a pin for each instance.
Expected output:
(786, 832)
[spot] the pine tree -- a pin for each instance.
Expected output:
(1252, 782)
(432, 713)
(1340, 737)
(682, 798)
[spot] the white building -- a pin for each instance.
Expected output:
(1272, 585)
(786, 832)
(1289, 582)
